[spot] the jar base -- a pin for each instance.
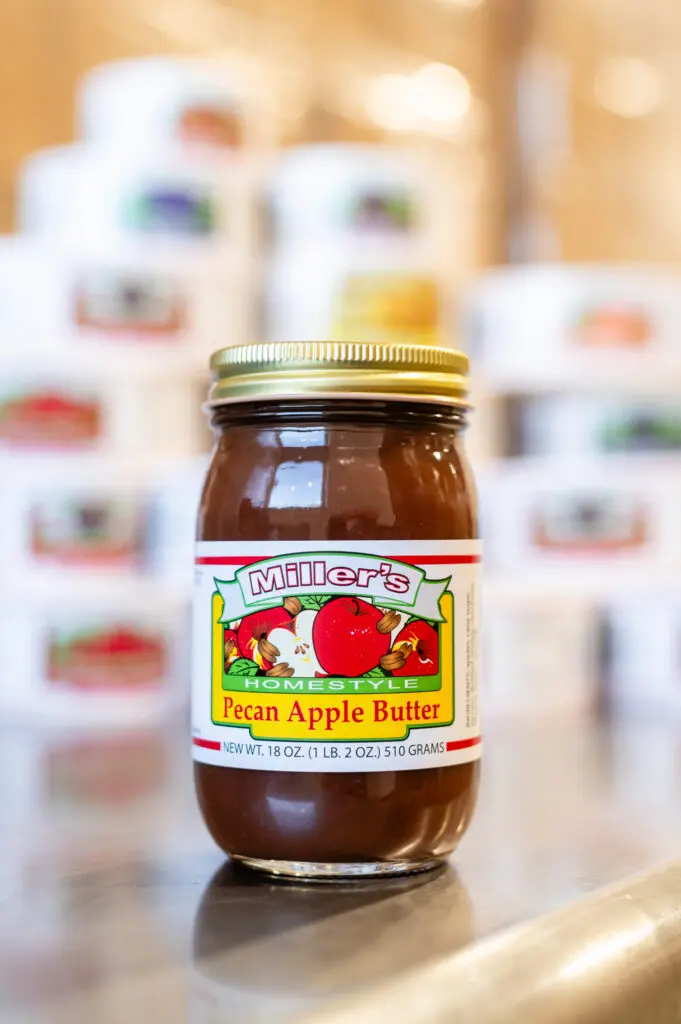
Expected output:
(341, 871)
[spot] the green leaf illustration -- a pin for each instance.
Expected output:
(243, 667)
(314, 601)
(376, 673)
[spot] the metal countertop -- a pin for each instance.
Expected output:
(117, 907)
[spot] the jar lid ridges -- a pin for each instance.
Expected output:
(334, 368)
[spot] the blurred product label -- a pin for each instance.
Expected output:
(122, 303)
(613, 325)
(111, 771)
(587, 424)
(387, 307)
(580, 523)
(117, 656)
(210, 125)
(641, 430)
(393, 212)
(87, 532)
(171, 211)
(49, 418)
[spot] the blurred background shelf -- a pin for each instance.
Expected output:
(188, 176)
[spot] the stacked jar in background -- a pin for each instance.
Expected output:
(366, 243)
(135, 260)
(581, 371)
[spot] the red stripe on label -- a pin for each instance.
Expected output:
(462, 744)
(225, 560)
(408, 559)
(438, 559)
(207, 744)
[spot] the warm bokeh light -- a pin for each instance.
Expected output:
(435, 96)
(629, 87)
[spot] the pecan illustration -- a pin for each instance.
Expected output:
(388, 622)
(282, 669)
(268, 650)
(229, 646)
(293, 605)
(396, 659)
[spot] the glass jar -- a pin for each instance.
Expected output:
(335, 716)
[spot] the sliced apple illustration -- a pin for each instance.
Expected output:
(253, 635)
(346, 637)
(415, 651)
(296, 647)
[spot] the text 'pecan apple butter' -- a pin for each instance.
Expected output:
(334, 708)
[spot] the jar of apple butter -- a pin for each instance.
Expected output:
(334, 710)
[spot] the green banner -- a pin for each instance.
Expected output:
(385, 582)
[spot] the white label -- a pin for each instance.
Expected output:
(336, 657)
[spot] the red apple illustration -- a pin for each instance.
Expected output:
(231, 646)
(419, 643)
(254, 630)
(345, 637)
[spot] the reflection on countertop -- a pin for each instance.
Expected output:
(116, 905)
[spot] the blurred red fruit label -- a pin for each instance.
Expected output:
(220, 128)
(613, 325)
(49, 418)
(114, 657)
(342, 658)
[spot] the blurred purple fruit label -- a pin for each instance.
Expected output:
(382, 211)
(171, 210)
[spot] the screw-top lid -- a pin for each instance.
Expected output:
(337, 369)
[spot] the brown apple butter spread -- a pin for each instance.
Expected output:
(334, 710)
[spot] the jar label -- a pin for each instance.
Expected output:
(337, 656)
(623, 325)
(121, 303)
(171, 210)
(49, 417)
(210, 126)
(79, 530)
(112, 655)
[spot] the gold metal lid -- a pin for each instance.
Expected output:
(334, 369)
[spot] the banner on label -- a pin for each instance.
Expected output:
(380, 581)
